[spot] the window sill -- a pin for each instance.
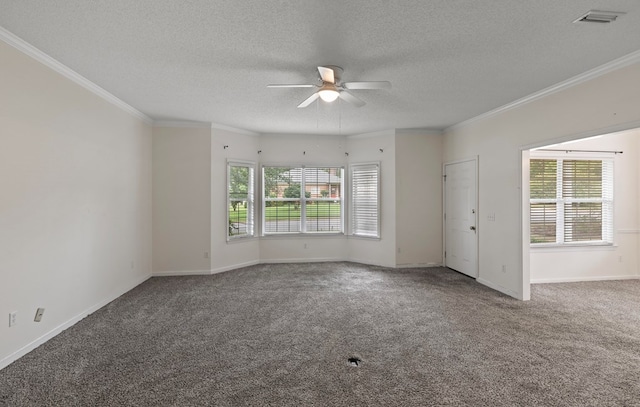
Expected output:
(238, 239)
(574, 247)
(302, 235)
(365, 237)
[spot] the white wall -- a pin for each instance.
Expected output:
(75, 202)
(619, 261)
(239, 252)
(366, 148)
(604, 104)
(302, 150)
(182, 178)
(181, 200)
(418, 198)
(189, 199)
(637, 230)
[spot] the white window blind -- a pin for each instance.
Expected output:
(365, 200)
(281, 200)
(543, 192)
(240, 199)
(302, 200)
(571, 200)
(323, 199)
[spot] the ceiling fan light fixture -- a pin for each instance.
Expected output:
(331, 87)
(328, 93)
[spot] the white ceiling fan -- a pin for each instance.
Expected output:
(332, 88)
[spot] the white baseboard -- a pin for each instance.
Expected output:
(368, 262)
(180, 273)
(55, 331)
(237, 266)
(417, 265)
(579, 279)
(205, 272)
(303, 260)
(234, 266)
(275, 261)
(500, 288)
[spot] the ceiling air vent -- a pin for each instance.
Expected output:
(596, 16)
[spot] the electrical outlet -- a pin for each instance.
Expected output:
(504, 268)
(13, 318)
(39, 314)
(305, 246)
(206, 255)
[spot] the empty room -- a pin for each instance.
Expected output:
(320, 203)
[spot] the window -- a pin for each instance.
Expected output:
(571, 200)
(365, 200)
(302, 200)
(240, 199)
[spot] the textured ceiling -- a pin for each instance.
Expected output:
(210, 60)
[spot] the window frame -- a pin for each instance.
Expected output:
(353, 216)
(303, 200)
(251, 198)
(607, 199)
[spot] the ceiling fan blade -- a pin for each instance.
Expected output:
(327, 74)
(291, 86)
(348, 97)
(309, 100)
(367, 85)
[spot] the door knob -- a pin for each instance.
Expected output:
(472, 227)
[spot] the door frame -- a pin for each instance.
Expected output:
(475, 159)
(523, 156)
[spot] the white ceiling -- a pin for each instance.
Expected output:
(210, 60)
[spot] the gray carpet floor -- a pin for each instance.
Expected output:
(282, 335)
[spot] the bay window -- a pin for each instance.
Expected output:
(240, 199)
(365, 200)
(298, 199)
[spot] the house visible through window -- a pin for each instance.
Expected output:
(240, 199)
(302, 200)
(571, 200)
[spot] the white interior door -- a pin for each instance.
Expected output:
(460, 217)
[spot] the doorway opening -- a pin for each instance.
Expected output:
(580, 217)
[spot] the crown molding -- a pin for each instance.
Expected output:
(181, 124)
(381, 133)
(35, 53)
(614, 65)
(601, 131)
(420, 132)
(233, 129)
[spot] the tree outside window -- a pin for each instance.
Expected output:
(300, 200)
(240, 198)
